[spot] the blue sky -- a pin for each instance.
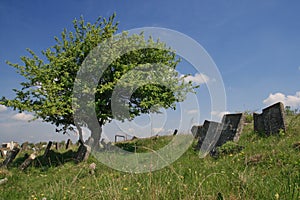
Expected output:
(255, 45)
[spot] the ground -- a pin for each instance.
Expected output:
(266, 168)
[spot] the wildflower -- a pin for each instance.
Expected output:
(276, 196)
(125, 188)
(83, 187)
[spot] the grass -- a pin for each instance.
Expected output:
(265, 168)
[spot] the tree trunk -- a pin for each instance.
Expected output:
(80, 133)
(96, 131)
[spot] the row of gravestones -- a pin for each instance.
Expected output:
(81, 154)
(212, 134)
(40, 146)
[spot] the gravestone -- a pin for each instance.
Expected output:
(271, 120)
(10, 156)
(209, 128)
(175, 132)
(24, 146)
(57, 146)
(217, 134)
(83, 153)
(232, 128)
(47, 150)
(69, 143)
(27, 162)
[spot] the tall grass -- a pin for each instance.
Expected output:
(266, 168)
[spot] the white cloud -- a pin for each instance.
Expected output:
(157, 130)
(3, 108)
(197, 78)
(22, 117)
(287, 100)
(195, 111)
(219, 114)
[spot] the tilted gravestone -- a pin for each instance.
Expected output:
(208, 129)
(69, 143)
(216, 134)
(25, 146)
(11, 155)
(232, 128)
(47, 150)
(271, 120)
(27, 162)
(83, 153)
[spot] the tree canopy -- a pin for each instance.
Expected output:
(48, 91)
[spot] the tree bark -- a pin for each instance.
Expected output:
(80, 133)
(96, 131)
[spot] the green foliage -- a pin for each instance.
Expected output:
(290, 112)
(281, 133)
(48, 89)
(248, 116)
(229, 148)
(145, 145)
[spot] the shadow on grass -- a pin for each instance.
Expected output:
(54, 159)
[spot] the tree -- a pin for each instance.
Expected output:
(48, 91)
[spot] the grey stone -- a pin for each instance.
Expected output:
(271, 120)
(47, 150)
(213, 134)
(11, 155)
(83, 153)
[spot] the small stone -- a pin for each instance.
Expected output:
(92, 168)
(2, 181)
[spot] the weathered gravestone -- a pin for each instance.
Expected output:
(83, 152)
(213, 134)
(47, 150)
(209, 130)
(27, 162)
(24, 146)
(271, 120)
(57, 146)
(175, 132)
(10, 156)
(232, 128)
(69, 143)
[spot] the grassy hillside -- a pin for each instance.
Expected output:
(266, 168)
